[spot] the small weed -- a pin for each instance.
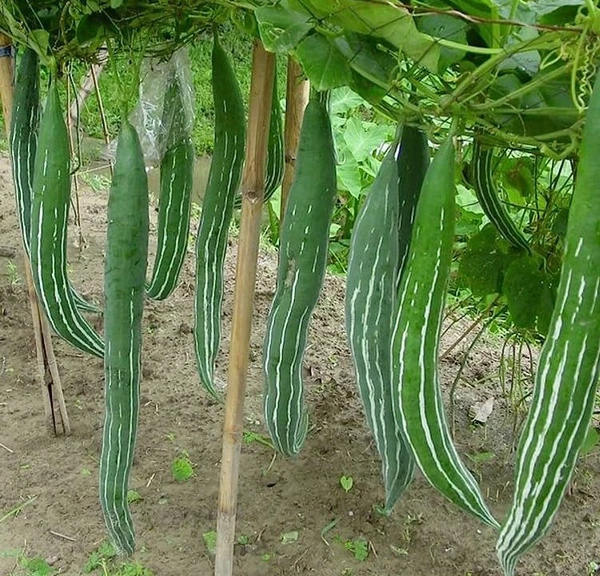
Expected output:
(346, 482)
(359, 547)
(249, 437)
(266, 557)
(97, 182)
(210, 540)
(399, 551)
(104, 558)
(289, 537)
(182, 468)
(36, 567)
(99, 557)
(13, 273)
(133, 496)
(243, 540)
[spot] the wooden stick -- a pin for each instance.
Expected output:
(48, 375)
(263, 68)
(298, 90)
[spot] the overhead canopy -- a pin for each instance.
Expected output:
(519, 73)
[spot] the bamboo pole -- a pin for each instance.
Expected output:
(48, 375)
(297, 93)
(263, 69)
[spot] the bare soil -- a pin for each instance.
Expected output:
(424, 536)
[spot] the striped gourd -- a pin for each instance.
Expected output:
(487, 195)
(49, 216)
(23, 147)
(300, 274)
(569, 366)
(23, 137)
(124, 275)
(415, 340)
(175, 200)
(275, 150)
(371, 287)
(217, 209)
(413, 161)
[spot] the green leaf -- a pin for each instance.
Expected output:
(480, 457)
(447, 28)
(346, 482)
(133, 496)
(289, 537)
(483, 262)
(363, 139)
(344, 100)
(181, 468)
(386, 21)
(349, 177)
(518, 178)
(210, 540)
(528, 291)
(280, 28)
(41, 39)
(324, 65)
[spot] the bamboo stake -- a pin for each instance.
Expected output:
(48, 375)
(298, 89)
(263, 68)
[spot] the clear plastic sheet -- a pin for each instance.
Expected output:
(153, 122)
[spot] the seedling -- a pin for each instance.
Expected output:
(359, 547)
(346, 482)
(210, 540)
(133, 496)
(182, 468)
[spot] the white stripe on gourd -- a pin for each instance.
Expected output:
(49, 217)
(300, 274)
(217, 210)
(568, 369)
(487, 195)
(417, 324)
(124, 278)
(175, 199)
(370, 302)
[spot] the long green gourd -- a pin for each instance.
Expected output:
(275, 150)
(23, 137)
(487, 194)
(371, 289)
(413, 162)
(23, 147)
(569, 366)
(415, 340)
(124, 279)
(217, 209)
(300, 274)
(175, 199)
(49, 217)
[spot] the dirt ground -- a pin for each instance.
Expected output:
(424, 536)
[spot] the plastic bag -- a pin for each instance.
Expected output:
(150, 118)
